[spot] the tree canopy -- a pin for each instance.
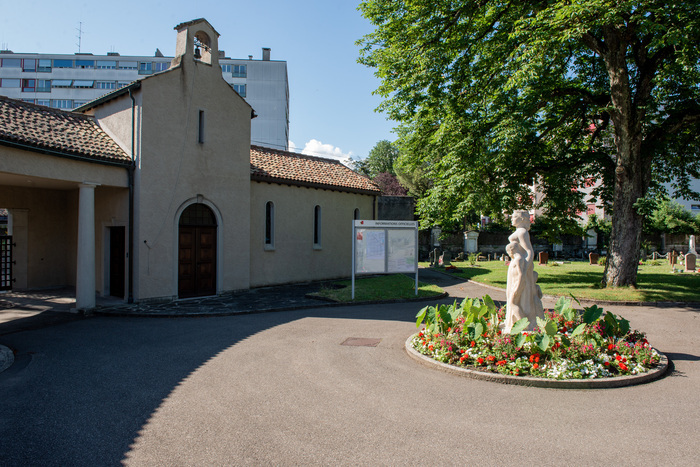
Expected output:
(492, 97)
(379, 160)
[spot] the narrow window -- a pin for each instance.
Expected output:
(317, 226)
(201, 127)
(269, 225)
(356, 214)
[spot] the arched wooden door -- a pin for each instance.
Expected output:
(197, 252)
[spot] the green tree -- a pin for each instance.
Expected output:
(379, 160)
(670, 217)
(494, 96)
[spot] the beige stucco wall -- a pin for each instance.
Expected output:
(294, 258)
(41, 192)
(174, 170)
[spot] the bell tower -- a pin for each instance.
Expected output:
(197, 40)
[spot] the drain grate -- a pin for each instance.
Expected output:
(361, 342)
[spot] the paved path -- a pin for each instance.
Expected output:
(282, 389)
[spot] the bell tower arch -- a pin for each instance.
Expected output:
(197, 40)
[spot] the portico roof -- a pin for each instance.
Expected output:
(57, 132)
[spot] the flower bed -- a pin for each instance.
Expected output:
(566, 344)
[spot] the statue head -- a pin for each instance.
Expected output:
(520, 218)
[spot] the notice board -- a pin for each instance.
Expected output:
(385, 247)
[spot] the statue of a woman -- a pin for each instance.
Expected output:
(523, 295)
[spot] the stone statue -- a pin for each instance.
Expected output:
(691, 245)
(523, 295)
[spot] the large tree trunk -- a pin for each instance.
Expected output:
(632, 172)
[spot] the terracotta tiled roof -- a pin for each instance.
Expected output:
(271, 165)
(44, 129)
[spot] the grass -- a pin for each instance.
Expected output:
(582, 280)
(390, 287)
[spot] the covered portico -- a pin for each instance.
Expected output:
(65, 184)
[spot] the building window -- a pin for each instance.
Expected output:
(269, 225)
(61, 103)
(82, 84)
(695, 207)
(43, 85)
(85, 63)
(240, 71)
(106, 65)
(44, 65)
(356, 214)
(200, 137)
(106, 85)
(240, 89)
(590, 209)
(63, 63)
(77, 104)
(317, 226)
(10, 82)
(128, 65)
(226, 68)
(28, 85)
(161, 66)
(45, 102)
(61, 83)
(11, 63)
(145, 68)
(28, 64)
(121, 84)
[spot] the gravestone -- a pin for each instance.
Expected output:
(544, 257)
(673, 258)
(593, 258)
(690, 260)
(445, 259)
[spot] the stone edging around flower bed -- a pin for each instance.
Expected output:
(599, 383)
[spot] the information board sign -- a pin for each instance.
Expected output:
(384, 247)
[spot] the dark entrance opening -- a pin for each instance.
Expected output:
(197, 252)
(117, 261)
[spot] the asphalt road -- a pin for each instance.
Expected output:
(281, 389)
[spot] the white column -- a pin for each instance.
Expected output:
(85, 280)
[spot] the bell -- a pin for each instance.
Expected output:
(197, 53)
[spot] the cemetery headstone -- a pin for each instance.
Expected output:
(690, 260)
(544, 257)
(593, 258)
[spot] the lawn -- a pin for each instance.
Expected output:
(390, 287)
(654, 282)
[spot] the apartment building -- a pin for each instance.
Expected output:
(65, 81)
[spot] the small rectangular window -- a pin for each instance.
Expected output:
(269, 225)
(127, 65)
(43, 85)
(44, 65)
(85, 63)
(28, 64)
(11, 63)
(10, 82)
(62, 103)
(28, 85)
(145, 68)
(45, 102)
(161, 66)
(317, 226)
(122, 84)
(63, 63)
(106, 64)
(226, 68)
(200, 137)
(240, 71)
(240, 89)
(106, 85)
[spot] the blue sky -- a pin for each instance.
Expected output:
(331, 102)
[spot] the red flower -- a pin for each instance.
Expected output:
(536, 366)
(607, 363)
(490, 358)
(611, 346)
(618, 357)
(430, 347)
(462, 358)
(623, 367)
(500, 362)
(480, 361)
(473, 343)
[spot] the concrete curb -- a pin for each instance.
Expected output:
(602, 383)
(7, 358)
(324, 303)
